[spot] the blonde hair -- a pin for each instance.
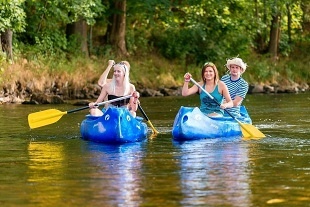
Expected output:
(126, 82)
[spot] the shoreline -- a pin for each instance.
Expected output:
(59, 95)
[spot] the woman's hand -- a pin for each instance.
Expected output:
(111, 63)
(136, 96)
(92, 105)
(224, 106)
(187, 77)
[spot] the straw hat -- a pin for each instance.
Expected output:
(236, 61)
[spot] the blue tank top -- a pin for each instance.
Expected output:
(207, 105)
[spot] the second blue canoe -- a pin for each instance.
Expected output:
(191, 124)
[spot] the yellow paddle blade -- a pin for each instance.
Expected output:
(43, 118)
(249, 131)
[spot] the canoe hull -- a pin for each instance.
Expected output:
(115, 126)
(191, 124)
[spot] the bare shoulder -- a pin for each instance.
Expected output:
(132, 87)
(106, 87)
(221, 83)
(200, 83)
(222, 86)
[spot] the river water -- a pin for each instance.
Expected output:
(53, 166)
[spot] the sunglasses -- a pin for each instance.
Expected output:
(123, 64)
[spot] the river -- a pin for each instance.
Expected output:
(53, 166)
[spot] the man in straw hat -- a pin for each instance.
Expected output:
(236, 85)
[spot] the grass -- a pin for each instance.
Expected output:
(151, 71)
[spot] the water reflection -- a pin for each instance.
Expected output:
(45, 169)
(214, 171)
(52, 166)
(117, 170)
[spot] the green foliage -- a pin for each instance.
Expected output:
(201, 32)
(260, 69)
(137, 44)
(12, 16)
(284, 46)
(47, 46)
(85, 9)
(3, 63)
(47, 21)
(187, 33)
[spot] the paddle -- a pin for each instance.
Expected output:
(248, 130)
(50, 116)
(147, 119)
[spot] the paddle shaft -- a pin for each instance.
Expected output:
(43, 118)
(142, 111)
(99, 104)
(147, 119)
(197, 84)
(248, 130)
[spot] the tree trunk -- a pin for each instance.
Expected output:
(258, 37)
(289, 23)
(6, 43)
(305, 6)
(79, 29)
(90, 38)
(117, 30)
(274, 36)
(262, 34)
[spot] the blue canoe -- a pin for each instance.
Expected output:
(115, 126)
(191, 124)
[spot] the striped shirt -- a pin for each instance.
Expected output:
(236, 88)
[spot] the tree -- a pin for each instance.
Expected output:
(82, 14)
(6, 43)
(116, 31)
(305, 6)
(274, 35)
(79, 29)
(12, 19)
(53, 24)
